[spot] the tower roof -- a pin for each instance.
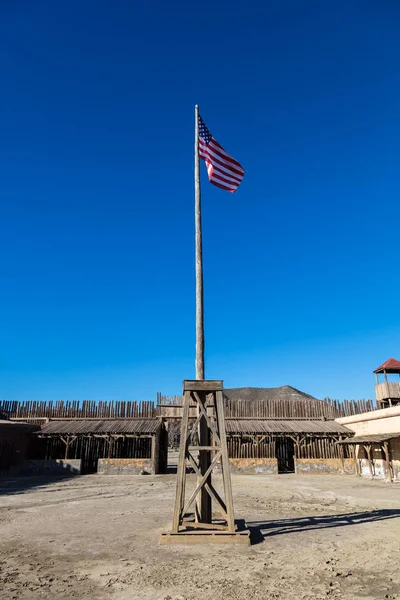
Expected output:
(391, 365)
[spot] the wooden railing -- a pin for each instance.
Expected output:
(387, 390)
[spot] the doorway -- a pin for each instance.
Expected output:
(6, 455)
(285, 455)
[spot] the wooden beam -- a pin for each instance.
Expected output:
(225, 461)
(195, 525)
(208, 486)
(206, 537)
(208, 385)
(387, 460)
(202, 482)
(368, 451)
(181, 471)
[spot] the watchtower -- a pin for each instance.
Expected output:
(388, 391)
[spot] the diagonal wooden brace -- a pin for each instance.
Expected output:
(201, 482)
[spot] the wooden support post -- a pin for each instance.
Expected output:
(110, 445)
(67, 443)
(341, 452)
(387, 460)
(225, 461)
(356, 465)
(181, 470)
(203, 503)
(296, 452)
(368, 451)
(155, 452)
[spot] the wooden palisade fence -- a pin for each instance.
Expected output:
(261, 409)
(87, 409)
(284, 408)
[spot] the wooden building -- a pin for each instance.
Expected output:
(105, 445)
(376, 442)
(287, 444)
(85, 437)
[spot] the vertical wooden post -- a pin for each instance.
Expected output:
(387, 459)
(296, 452)
(341, 451)
(66, 448)
(225, 461)
(199, 256)
(204, 499)
(155, 452)
(110, 443)
(387, 387)
(356, 465)
(368, 451)
(181, 471)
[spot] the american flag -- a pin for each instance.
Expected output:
(223, 170)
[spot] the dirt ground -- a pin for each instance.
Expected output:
(97, 537)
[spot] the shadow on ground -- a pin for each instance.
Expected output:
(262, 529)
(20, 484)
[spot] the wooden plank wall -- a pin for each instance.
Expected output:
(260, 447)
(54, 448)
(242, 447)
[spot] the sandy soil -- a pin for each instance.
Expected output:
(98, 537)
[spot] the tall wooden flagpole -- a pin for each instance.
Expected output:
(211, 448)
(199, 256)
(203, 504)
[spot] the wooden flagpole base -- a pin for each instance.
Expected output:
(206, 537)
(202, 447)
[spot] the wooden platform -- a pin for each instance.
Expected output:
(206, 537)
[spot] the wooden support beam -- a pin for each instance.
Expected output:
(368, 451)
(67, 443)
(181, 471)
(205, 385)
(387, 460)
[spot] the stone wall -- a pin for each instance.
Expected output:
(124, 466)
(49, 467)
(254, 465)
(378, 468)
(324, 466)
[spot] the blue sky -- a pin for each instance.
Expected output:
(96, 189)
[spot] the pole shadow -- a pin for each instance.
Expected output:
(263, 529)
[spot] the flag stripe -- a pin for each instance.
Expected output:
(223, 187)
(214, 176)
(208, 151)
(223, 175)
(222, 151)
(223, 169)
(227, 180)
